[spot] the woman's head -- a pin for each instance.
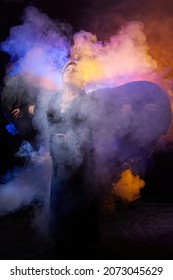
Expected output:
(71, 75)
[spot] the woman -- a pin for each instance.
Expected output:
(72, 202)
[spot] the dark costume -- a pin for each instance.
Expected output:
(72, 200)
(15, 95)
(9, 145)
(89, 140)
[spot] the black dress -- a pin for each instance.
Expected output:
(73, 207)
(15, 95)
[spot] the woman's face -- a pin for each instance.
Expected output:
(71, 76)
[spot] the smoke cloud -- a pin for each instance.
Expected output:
(122, 58)
(25, 186)
(128, 187)
(28, 185)
(40, 47)
(107, 18)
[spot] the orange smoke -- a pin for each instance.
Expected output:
(137, 51)
(128, 187)
(160, 34)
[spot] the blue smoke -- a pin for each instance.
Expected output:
(38, 31)
(11, 129)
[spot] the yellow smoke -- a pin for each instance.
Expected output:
(128, 187)
(123, 58)
(85, 50)
(91, 70)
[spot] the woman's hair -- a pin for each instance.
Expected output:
(71, 62)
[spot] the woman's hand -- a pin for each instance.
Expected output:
(31, 109)
(16, 113)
